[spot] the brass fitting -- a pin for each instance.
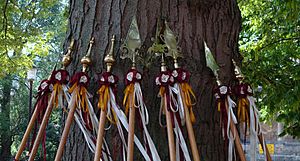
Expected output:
(86, 60)
(109, 59)
(66, 60)
(237, 71)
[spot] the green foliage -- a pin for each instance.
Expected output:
(269, 42)
(31, 33)
(26, 32)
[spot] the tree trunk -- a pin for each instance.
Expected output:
(5, 133)
(216, 22)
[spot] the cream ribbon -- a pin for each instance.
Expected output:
(180, 103)
(180, 141)
(145, 120)
(230, 134)
(88, 135)
(123, 120)
(255, 129)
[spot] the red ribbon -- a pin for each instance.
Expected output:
(82, 80)
(221, 94)
(44, 90)
(164, 80)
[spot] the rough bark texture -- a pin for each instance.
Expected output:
(5, 133)
(216, 22)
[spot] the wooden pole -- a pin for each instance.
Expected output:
(172, 151)
(131, 132)
(26, 134)
(30, 107)
(100, 136)
(237, 140)
(190, 130)
(43, 126)
(262, 143)
(68, 124)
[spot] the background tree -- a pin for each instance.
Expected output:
(27, 34)
(216, 22)
(270, 45)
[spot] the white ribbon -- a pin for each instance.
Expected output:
(145, 119)
(114, 107)
(230, 134)
(180, 141)
(173, 99)
(88, 135)
(255, 129)
(123, 120)
(180, 103)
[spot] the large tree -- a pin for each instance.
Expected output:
(215, 21)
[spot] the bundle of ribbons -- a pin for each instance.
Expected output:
(85, 116)
(225, 106)
(111, 110)
(57, 86)
(169, 102)
(185, 94)
(177, 95)
(186, 99)
(80, 106)
(107, 102)
(44, 90)
(248, 114)
(133, 98)
(222, 94)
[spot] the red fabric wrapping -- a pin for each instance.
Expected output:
(108, 79)
(81, 78)
(132, 76)
(221, 97)
(243, 90)
(60, 76)
(164, 80)
(181, 75)
(44, 89)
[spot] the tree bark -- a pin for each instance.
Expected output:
(216, 22)
(5, 132)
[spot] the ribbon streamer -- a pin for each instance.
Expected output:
(174, 104)
(133, 97)
(85, 116)
(115, 115)
(249, 114)
(44, 91)
(223, 100)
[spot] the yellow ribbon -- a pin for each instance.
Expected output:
(103, 97)
(162, 91)
(188, 94)
(129, 99)
(243, 114)
(57, 88)
(219, 106)
(81, 95)
(103, 101)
